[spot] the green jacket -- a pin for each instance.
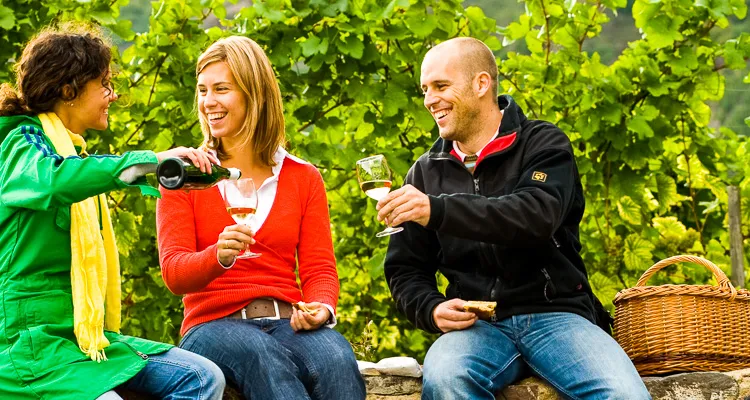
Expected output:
(39, 355)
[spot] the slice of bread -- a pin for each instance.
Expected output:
(303, 307)
(483, 309)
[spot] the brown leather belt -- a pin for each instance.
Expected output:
(264, 308)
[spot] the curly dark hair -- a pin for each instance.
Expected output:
(71, 54)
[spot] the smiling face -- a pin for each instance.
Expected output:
(449, 94)
(221, 103)
(90, 109)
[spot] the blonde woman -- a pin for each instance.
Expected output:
(238, 312)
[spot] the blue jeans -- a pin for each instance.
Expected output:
(176, 375)
(266, 359)
(575, 356)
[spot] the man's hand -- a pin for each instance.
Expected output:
(404, 204)
(309, 321)
(450, 316)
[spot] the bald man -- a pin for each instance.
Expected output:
(495, 206)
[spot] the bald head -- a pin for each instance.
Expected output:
(471, 56)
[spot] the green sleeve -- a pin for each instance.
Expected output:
(34, 176)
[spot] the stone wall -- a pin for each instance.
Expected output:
(733, 385)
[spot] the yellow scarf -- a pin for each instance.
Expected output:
(95, 264)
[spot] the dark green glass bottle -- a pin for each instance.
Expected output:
(179, 173)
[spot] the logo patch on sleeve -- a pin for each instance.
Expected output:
(538, 176)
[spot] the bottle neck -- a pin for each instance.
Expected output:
(234, 173)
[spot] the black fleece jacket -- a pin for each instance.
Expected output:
(507, 233)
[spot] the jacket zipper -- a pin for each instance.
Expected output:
(482, 246)
(552, 291)
(486, 248)
(141, 355)
(493, 293)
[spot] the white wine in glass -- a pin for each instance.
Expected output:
(241, 200)
(376, 189)
(375, 180)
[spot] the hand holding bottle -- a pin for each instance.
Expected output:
(232, 241)
(178, 173)
(199, 158)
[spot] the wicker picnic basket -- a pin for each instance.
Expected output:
(671, 328)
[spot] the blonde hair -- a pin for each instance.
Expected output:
(251, 69)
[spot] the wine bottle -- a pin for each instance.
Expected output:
(180, 173)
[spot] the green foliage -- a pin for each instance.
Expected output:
(654, 171)
(653, 168)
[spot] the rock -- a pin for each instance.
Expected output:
(529, 389)
(415, 396)
(231, 393)
(392, 385)
(733, 385)
(693, 386)
(742, 377)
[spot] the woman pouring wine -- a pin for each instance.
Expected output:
(59, 265)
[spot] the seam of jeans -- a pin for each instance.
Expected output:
(197, 372)
(309, 365)
(528, 326)
(503, 368)
(191, 331)
(563, 391)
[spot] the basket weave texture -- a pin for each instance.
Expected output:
(678, 328)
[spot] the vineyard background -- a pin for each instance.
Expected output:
(653, 94)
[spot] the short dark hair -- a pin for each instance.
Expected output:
(71, 54)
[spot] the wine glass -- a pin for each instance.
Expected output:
(241, 200)
(375, 179)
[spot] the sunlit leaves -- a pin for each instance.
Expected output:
(637, 255)
(629, 210)
(669, 226)
(7, 18)
(666, 189)
(639, 125)
(654, 168)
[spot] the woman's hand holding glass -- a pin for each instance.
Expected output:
(232, 242)
(241, 200)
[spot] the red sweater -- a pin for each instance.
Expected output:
(297, 230)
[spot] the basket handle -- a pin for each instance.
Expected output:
(720, 276)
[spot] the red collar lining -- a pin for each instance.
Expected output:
(500, 143)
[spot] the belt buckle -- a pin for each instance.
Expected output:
(273, 317)
(276, 310)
